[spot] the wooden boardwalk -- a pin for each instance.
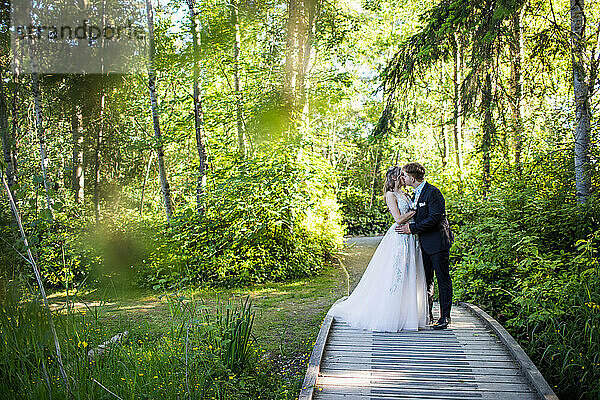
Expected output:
(474, 359)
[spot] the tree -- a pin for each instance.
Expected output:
(445, 25)
(155, 119)
(516, 84)
(583, 87)
(198, 112)
(7, 141)
(457, 53)
(41, 134)
(236, 79)
(78, 181)
(301, 24)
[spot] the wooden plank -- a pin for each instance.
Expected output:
(448, 331)
(423, 338)
(401, 385)
(468, 347)
(423, 377)
(430, 333)
(337, 351)
(358, 393)
(391, 345)
(330, 395)
(314, 363)
(433, 335)
(414, 362)
(431, 365)
(425, 370)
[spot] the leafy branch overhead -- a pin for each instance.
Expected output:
(479, 24)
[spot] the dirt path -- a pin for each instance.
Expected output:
(357, 256)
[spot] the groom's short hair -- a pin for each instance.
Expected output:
(415, 170)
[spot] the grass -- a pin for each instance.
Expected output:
(151, 360)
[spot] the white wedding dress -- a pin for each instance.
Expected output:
(391, 295)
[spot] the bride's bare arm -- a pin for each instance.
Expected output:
(392, 204)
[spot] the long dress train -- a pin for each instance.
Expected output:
(391, 295)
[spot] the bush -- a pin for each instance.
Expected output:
(274, 220)
(359, 218)
(529, 257)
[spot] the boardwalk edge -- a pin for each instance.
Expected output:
(527, 366)
(314, 364)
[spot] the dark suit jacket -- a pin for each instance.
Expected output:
(430, 221)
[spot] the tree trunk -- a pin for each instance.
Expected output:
(99, 139)
(15, 125)
(582, 102)
(7, 140)
(236, 80)
(198, 111)
(41, 134)
(443, 136)
(457, 100)
(77, 129)
(302, 17)
(146, 180)
(488, 132)
(378, 156)
(516, 86)
(154, 106)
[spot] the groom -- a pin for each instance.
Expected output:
(435, 238)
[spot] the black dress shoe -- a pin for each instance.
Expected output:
(442, 323)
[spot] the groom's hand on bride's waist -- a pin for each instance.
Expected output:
(404, 228)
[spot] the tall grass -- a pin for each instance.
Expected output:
(198, 353)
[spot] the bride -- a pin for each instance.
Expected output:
(391, 295)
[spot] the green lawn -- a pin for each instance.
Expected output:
(288, 315)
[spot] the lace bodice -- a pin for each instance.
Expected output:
(403, 203)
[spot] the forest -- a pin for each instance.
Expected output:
(253, 140)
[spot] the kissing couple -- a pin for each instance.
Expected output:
(396, 290)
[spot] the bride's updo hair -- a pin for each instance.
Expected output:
(390, 178)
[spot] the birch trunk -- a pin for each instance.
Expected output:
(582, 102)
(154, 106)
(443, 136)
(97, 160)
(146, 180)
(77, 130)
(41, 134)
(198, 111)
(15, 125)
(7, 142)
(378, 155)
(236, 80)
(457, 128)
(302, 18)
(516, 86)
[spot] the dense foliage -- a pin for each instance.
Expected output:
(274, 220)
(528, 254)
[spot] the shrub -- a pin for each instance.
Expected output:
(359, 217)
(273, 220)
(524, 255)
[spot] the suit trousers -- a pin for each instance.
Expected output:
(440, 264)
